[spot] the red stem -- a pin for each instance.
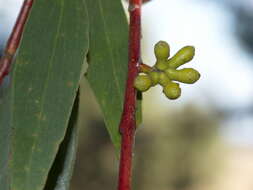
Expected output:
(14, 39)
(128, 122)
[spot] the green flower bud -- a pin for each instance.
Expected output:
(154, 75)
(187, 75)
(161, 65)
(183, 56)
(163, 79)
(162, 50)
(142, 83)
(172, 90)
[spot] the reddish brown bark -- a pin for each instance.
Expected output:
(14, 39)
(128, 121)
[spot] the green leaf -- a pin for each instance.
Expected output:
(45, 79)
(62, 169)
(5, 135)
(108, 60)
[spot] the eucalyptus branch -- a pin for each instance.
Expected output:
(14, 39)
(128, 122)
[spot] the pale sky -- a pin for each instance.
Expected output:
(8, 13)
(226, 70)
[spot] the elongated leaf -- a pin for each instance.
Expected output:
(62, 169)
(45, 79)
(5, 135)
(108, 60)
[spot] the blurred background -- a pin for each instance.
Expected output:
(204, 140)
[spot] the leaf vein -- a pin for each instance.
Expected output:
(110, 49)
(35, 142)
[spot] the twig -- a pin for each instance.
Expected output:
(128, 121)
(145, 68)
(14, 39)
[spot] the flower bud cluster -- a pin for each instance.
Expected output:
(165, 71)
